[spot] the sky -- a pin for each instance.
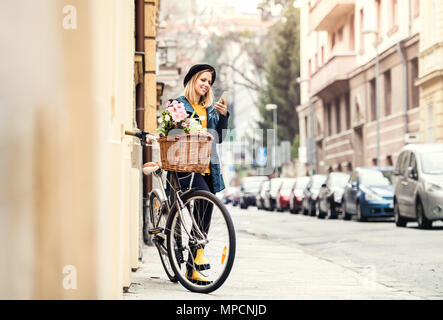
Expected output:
(247, 6)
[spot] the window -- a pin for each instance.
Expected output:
(416, 8)
(373, 110)
(328, 112)
(389, 161)
(415, 92)
(309, 74)
(394, 12)
(323, 55)
(388, 93)
(309, 68)
(316, 61)
(413, 162)
(352, 35)
(348, 110)
(362, 26)
(340, 34)
(401, 163)
(378, 12)
(337, 115)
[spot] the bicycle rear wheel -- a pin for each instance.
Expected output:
(158, 216)
(204, 226)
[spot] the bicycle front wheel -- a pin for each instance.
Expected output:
(201, 242)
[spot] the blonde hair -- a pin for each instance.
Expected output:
(206, 100)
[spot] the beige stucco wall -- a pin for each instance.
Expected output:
(67, 191)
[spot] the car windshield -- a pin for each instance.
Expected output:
(432, 162)
(317, 181)
(339, 180)
(275, 185)
(252, 184)
(388, 175)
(373, 178)
(265, 185)
(302, 183)
(287, 184)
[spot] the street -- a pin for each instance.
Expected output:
(285, 256)
(409, 255)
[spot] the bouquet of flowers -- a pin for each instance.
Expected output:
(176, 117)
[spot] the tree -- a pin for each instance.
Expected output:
(282, 72)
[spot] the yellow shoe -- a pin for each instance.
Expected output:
(196, 277)
(200, 262)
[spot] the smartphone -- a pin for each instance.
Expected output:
(225, 95)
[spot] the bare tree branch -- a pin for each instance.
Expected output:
(250, 83)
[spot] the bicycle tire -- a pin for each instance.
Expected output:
(155, 212)
(222, 241)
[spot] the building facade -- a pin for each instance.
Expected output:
(431, 72)
(70, 197)
(342, 125)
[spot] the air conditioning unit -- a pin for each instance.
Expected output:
(412, 138)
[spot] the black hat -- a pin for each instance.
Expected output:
(196, 69)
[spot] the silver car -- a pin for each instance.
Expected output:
(418, 182)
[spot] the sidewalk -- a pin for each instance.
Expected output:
(267, 270)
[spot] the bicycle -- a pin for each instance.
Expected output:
(193, 223)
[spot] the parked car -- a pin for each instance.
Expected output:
(249, 189)
(260, 196)
(418, 190)
(236, 197)
(228, 195)
(282, 200)
(369, 193)
(331, 195)
(310, 193)
(296, 196)
(271, 195)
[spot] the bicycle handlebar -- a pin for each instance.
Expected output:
(144, 136)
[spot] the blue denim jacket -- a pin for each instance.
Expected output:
(216, 123)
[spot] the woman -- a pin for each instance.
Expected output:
(199, 97)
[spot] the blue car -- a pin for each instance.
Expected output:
(369, 193)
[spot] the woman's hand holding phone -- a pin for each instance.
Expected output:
(222, 105)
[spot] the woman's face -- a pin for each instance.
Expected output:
(203, 83)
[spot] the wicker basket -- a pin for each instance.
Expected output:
(188, 152)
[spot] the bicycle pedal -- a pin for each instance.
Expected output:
(155, 230)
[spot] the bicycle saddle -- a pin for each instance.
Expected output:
(150, 167)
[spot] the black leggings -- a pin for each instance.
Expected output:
(203, 214)
(201, 182)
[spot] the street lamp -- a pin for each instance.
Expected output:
(377, 72)
(273, 107)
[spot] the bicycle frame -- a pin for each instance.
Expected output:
(175, 202)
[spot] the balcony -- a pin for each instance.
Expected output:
(327, 14)
(332, 78)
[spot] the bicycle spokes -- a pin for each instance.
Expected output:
(202, 229)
